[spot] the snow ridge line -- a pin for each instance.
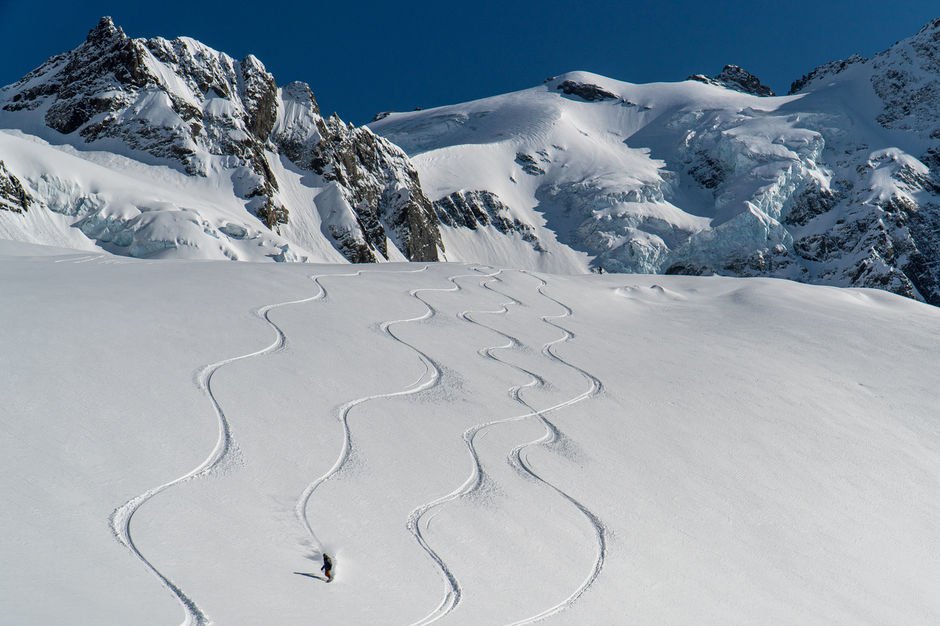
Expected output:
(430, 378)
(474, 481)
(552, 435)
(120, 518)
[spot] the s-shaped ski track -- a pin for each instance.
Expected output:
(120, 519)
(474, 480)
(430, 378)
(551, 436)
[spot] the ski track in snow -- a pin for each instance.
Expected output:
(552, 435)
(474, 481)
(78, 259)
(430, 378)
(121, 517)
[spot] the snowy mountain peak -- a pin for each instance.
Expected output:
(583, 85)
(164, 147)
(181, 104)
(105, 30)
(826, 69)
(933, 27)
(838, 185)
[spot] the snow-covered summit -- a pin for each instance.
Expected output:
(834, 184)
(266, 152)
(906, 77)
(168, 148)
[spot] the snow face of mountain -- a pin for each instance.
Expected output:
(834, 184)
(165, 148)
(182, 105)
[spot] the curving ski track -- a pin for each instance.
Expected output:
(552, 435)
(452, 598)
(120, 519)
(474, 481)
(430, 378)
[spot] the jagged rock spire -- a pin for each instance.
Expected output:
(103, 31)
(182, 103)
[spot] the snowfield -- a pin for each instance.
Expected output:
(471, 444)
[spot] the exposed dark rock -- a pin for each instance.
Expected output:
(767, 262)
(12, 195)
(816, 247)
(259, 98)
(272, 215)
(736, 78)
(809, 204)
(689, 269)
(379, 182)
(586, 91)
(931, 159)
(471, 209)
(353, 249)
(827, 69)
(707, 170)
(529, 164)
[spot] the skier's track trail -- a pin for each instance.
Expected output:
(430, 378)
(474, 481)
(552, 435)
(120, 519)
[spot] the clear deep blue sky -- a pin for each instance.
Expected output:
(362, 57)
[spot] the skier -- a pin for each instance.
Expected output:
(327, 568)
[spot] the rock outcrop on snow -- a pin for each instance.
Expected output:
(737, 78)
(473, 209)
(12, 195)
(182, 104)
(586, 91)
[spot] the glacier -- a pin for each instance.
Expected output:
(709, 175)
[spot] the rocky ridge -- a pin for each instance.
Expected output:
(736, 78)
(183, 104)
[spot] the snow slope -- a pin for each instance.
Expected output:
(471, 444)
(101, 200)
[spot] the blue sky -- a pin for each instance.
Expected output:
(364, 57)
